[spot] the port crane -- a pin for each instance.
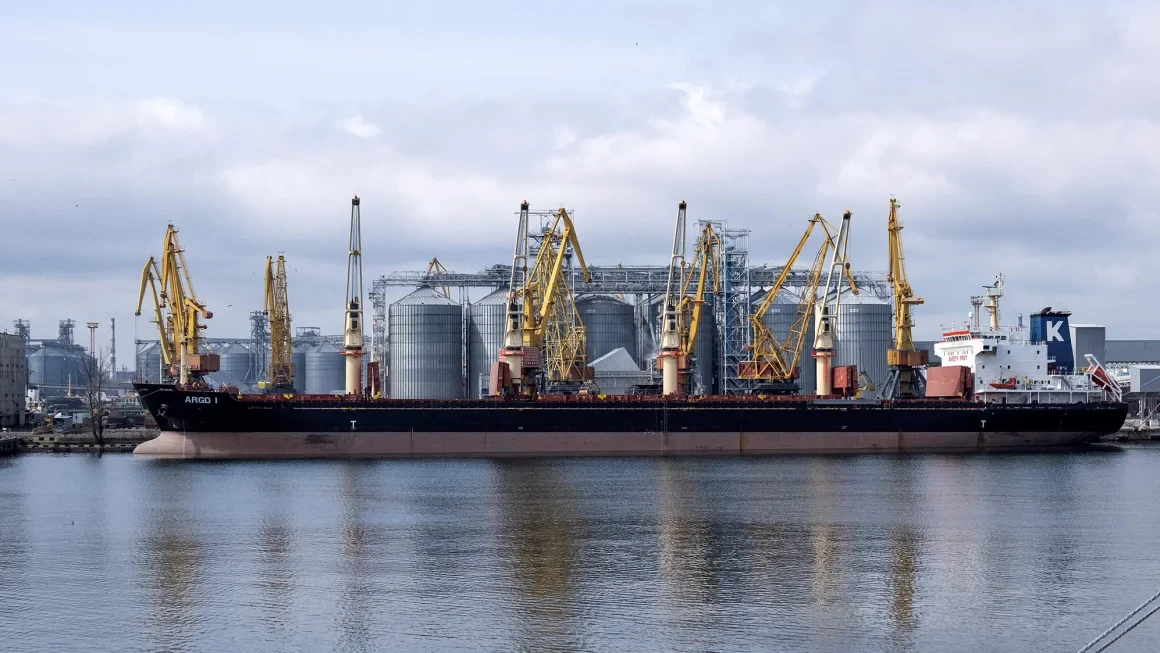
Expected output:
(276, 305)
(544, 337)
(905, 362)
(773, 362)
(826, 309)
(435, 267)
(684, 303)
(352, 335)
(177, 310)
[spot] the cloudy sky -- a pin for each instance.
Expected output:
(1019, 137)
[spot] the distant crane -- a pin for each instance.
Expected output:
(827, 308)
(904, 361)
(777, 363)
(435, 267)
(276, 305)
(352, 337)
(684, 303)
(177, 310)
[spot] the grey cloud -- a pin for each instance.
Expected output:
(1016, 142)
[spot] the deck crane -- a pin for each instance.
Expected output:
(827, 308)
(177, 311)
(777, 363)
(352, 338)
(684, 302)
(904, 360)
(672, 355)
(276, 305)
(544, 337)
(705, 270)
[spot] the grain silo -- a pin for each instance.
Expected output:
(609, 324)
(779, 319)
(485, 326)
(55, 367)
(425, 331)
(235, 359)
(863, 334)
(149, 363)
(325, 369)
(298, 360)
(705, 351)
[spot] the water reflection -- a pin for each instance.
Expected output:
(540, 532)
(821, 502)
(276, 569)
(173, 557)
(355, 593)
(795, 553)
(904, 498)
(903, 578)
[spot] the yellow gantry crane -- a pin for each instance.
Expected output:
(684, 303)
(543, 333)
(176, 311)
(778, 362)
(904, 360)
(276, 305)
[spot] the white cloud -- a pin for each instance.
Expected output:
(357, 126)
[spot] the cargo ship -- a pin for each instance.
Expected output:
(216, 424)
(999, 388)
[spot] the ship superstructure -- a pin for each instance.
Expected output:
(1024, 364)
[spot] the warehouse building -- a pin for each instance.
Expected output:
(13, 380)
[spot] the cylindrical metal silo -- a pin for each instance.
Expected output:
(779, 319)
(485, 326)
(425, 331)
(149, 363)
(863, 334)
(55, 367)
(235, 360)
(705, 351)
(325, 369)
(608, 324)
(298, 360)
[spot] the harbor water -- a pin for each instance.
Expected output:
(1013, 552)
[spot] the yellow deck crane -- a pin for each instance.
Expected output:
(777, 363)
(544, 338)
(177, 311)
(905, 379)
(276, 305)
(684, 303)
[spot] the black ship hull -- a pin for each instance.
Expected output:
(209, 424)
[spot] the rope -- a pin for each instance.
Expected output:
(1129, 629)
(1120, 623)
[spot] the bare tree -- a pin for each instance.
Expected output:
(97, 379)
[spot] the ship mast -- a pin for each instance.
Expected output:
(352, 339)
(994, 292)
